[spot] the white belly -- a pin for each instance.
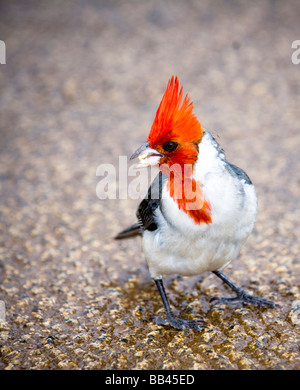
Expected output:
(181, 247)
(181, 255)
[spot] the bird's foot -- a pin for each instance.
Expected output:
(179, 323)
(244, 297)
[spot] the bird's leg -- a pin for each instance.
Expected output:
(171, 319)
(241, 295)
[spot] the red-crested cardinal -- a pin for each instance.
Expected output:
(200, 209)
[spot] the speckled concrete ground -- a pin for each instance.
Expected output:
(80, 88)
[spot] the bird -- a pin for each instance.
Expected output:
(199, 210)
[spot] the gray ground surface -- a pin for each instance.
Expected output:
(81, 85)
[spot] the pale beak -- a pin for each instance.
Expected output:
(147, 155)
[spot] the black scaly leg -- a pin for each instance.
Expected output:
(171, 320)
(242, 295)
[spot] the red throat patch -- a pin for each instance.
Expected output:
(190, 198)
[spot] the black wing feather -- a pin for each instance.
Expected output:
(131, 231)
(146, 209)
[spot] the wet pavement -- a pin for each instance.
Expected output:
(80, 88)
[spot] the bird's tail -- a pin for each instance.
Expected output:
(132, 231)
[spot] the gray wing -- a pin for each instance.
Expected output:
(233, 170)
(236, 171)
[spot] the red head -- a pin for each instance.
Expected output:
(172, 144)
(176, 131)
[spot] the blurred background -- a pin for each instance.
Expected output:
(80, 87)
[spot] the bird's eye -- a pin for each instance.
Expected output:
(170, 146)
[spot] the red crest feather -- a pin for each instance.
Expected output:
(174, 118)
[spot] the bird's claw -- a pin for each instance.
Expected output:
(179, 323)
(244, 297)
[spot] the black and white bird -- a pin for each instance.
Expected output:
(200, 209)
